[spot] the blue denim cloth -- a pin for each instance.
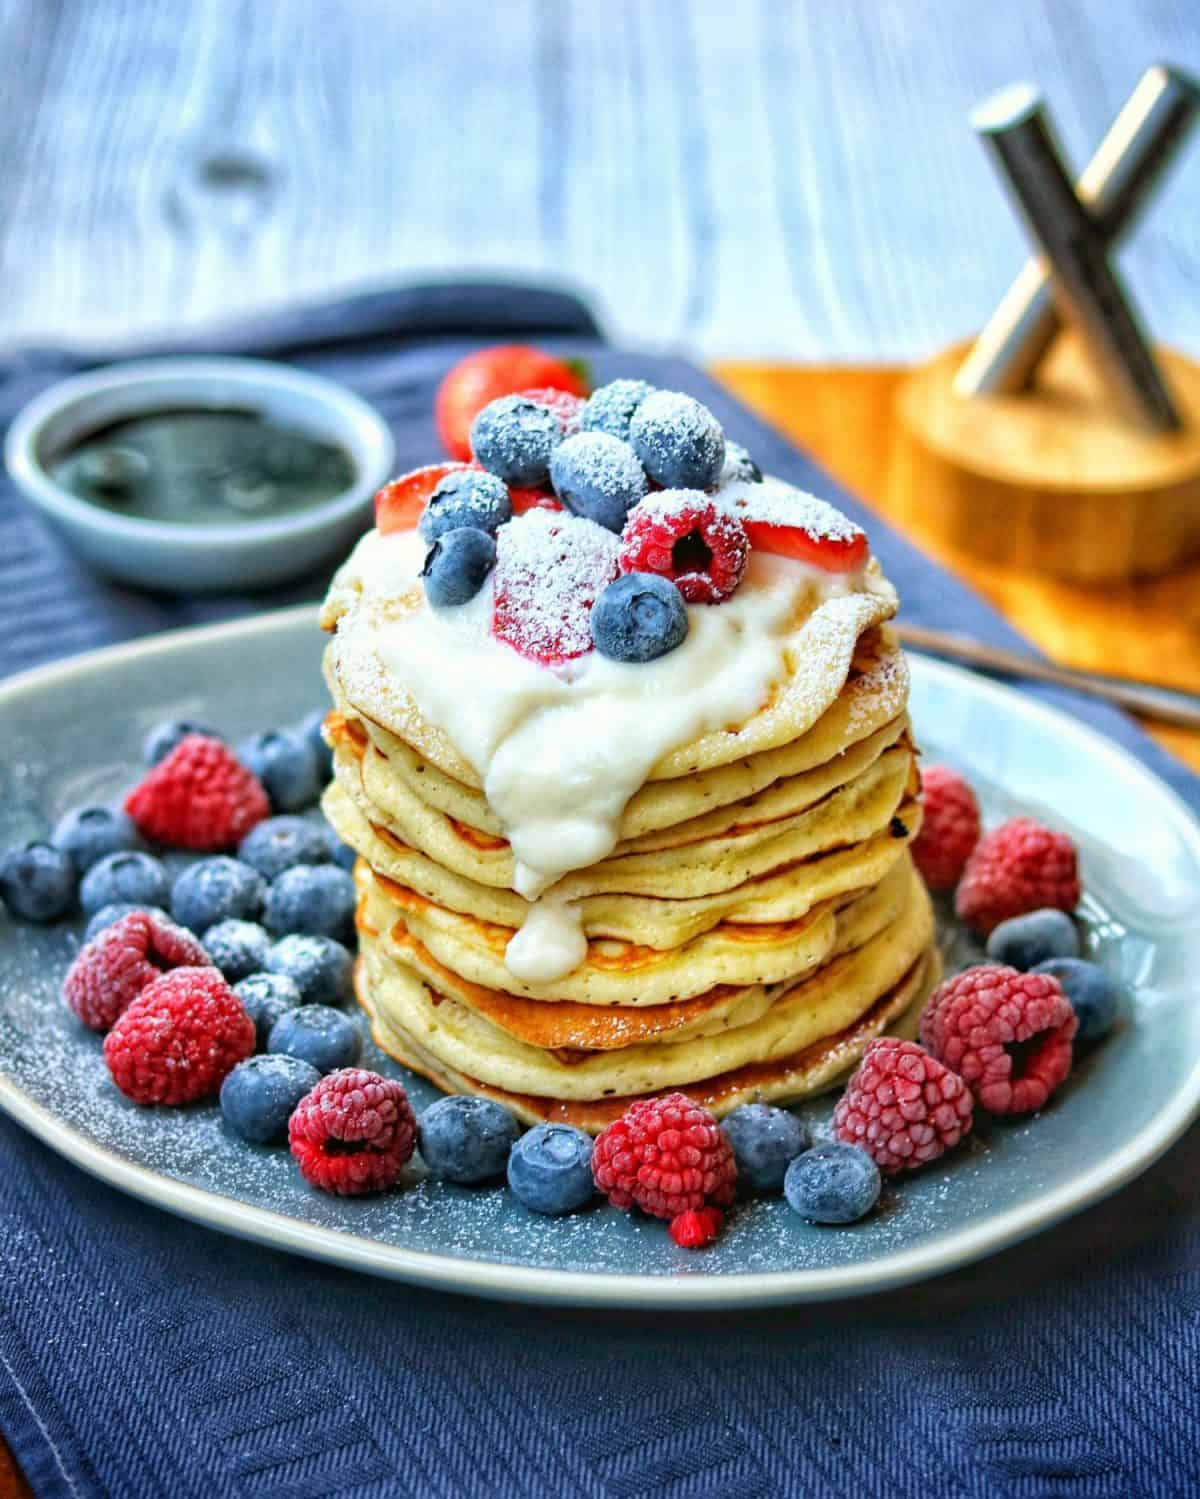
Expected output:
(142, 1356)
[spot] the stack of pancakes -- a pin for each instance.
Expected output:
(759, 921)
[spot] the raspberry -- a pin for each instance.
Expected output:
(199, 797)
(680, 534)
(949, 829)
(179, 1038)
(550, 569)
(696, 1228)
(902, 1106)
(1018, 867)
(116, 965)
(666, 1155)
(353, 1133)
(1007, 1034)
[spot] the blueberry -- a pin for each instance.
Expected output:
(309, 729)
(315, 899)
(106, 915)
(1025, 941)
(514, 437)
(280, 842)
(639, 617)
(599, 477)
(550, 1169)
(238, 948)
(833, 1183)
(325, 1038)
(215, 890)
(164, 737)
(466, 1139)
(341, 853)
(467, 497)
(679, 441)
(260, 1095)
(88, 833)
(285, 763)
(739, 466)
(456, 565)
(264, 997)
(765, 1141)
(132, 877)
(320, 968)
(37, 882)
(1096, 996)
(610, 407)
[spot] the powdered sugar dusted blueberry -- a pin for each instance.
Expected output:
(467, 497)
(639, 618)
(610, 408)
(456, 566)
(514, 438)
(550, 569)
(679, 441)
(598, 476)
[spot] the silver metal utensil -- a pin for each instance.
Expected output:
(1016, 129)
(1165, 704)
(1128, 164)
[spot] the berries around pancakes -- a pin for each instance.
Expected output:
(200, 797)
(949, 827)
(353, 1133)
(1018, 867)
(122, 960)
(903, 1106)
(666, 1156)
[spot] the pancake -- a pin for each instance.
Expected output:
(783, 1080)
(821, 1005)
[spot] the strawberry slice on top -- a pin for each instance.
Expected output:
(398, 505)
(550, 569)
(794, 524)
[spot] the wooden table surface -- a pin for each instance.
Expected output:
(843, 415)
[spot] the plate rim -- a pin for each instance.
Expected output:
(691, 1289)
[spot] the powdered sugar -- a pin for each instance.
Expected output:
(779, 504)
(549, 571)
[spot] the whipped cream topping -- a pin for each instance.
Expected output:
(560, 750)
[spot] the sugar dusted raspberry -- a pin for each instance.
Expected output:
(666, 1156)
(696, 1228)
(949, 827)
(902, 1106)
(683, 535)
(550, 569)
(199, 797)
(122, 960)
(1007, 1034)
(353, 1133)
(1018, 867)
(179, 1038)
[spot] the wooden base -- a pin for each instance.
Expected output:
(1057, 479)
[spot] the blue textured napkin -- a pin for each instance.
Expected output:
(140, 1355)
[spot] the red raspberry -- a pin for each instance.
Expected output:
(949, 830)
(680, 534)
(119, 962)
(696, 1228)
(199, 797)
(1018, 867)
(550, 569)
(566, 406)
(666, 1155)
(181, 1036)
(353, 1133)
(902, 1106)
(1007, 1034)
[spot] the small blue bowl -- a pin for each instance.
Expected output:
(200, 558)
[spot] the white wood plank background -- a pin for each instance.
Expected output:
(743, 177)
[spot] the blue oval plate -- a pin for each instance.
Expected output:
(73, 732)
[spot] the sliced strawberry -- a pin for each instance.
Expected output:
(532, 499)
(791, 523)
(550, 569)
(833, 555)
(398, 505)
(502, 370)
